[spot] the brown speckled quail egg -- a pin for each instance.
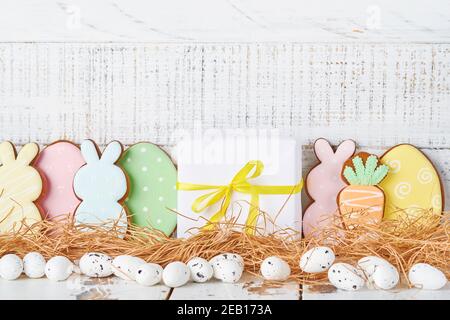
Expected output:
(58, 268)
(201, 269)
(34, 265)
(380, 273)
(228, 270)
(96, 265)
(176, 274)
(149, 274)
(346, 277)
(317, 260)
(11, 267)
(125, 266)
(275, 268)
(227, 256)
(425, 276)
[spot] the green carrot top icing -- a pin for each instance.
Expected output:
(368, 174)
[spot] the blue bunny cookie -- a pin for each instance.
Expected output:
(101, 185)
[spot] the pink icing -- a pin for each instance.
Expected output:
(324, 183)
(58, 164)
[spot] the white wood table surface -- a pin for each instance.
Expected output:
(377, 71)
(249, 288)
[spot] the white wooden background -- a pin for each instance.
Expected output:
(375, 71)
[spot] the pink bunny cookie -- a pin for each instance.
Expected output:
(101, 185)
(58, 163)
(20, 186)
(324, 182)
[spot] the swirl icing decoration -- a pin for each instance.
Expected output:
(402, 189)
(415, 188)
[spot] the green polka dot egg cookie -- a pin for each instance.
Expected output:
(152, 177)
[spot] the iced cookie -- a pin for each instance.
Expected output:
(101, 185)
(152, 177)
(413, 185)
(58, 163)
(20, 186)
(324, 182)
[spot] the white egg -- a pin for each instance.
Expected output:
(425, 276)
(125, 266)
(275, 268)
(11, 267)
(344, 276)
(148, 274)
(201, 270)
(317, 260)
(228, 270)
(34, 265)
(228, 256)
(176, 274)
(380, 273)
(58, 268)
(96, 265)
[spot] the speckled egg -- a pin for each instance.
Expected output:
(344, 276)
(317, 260)
(201, 269)
(275, 268)
(11, 267)
(176, 274)
(148, 274)
(96, 265)
(427, 277)
(228, 270)
(34, 265)
(380, 273)
(228, 256)
(58, 268)
(125, 266)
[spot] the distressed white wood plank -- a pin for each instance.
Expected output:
(401, 293)
(379, 94)
(224, 20)
(248, 288)
(79, 288)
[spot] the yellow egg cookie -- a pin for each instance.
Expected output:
(20, 185)
(412, 185)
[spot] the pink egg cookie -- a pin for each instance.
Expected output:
(58, 164)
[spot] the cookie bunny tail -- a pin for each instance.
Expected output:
(28, 153)
(89, 151)
(7, 153)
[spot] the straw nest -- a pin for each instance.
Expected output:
(403, 243)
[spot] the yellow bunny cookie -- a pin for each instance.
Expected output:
(20, 185)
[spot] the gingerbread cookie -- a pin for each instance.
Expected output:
(58, 163)
(20, 186)
(362, 201)
(324, 182)
(153, 178)
(101, 185)
(413, 186)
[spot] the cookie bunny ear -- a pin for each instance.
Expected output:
(7, 153)
(89, 151)
(112, 152)
(323, 149)
(346, 149)
(28, 153)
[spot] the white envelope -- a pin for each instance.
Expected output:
(216, 162)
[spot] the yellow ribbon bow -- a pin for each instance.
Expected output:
(240, 184)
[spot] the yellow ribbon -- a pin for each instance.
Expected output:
(239, 183)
